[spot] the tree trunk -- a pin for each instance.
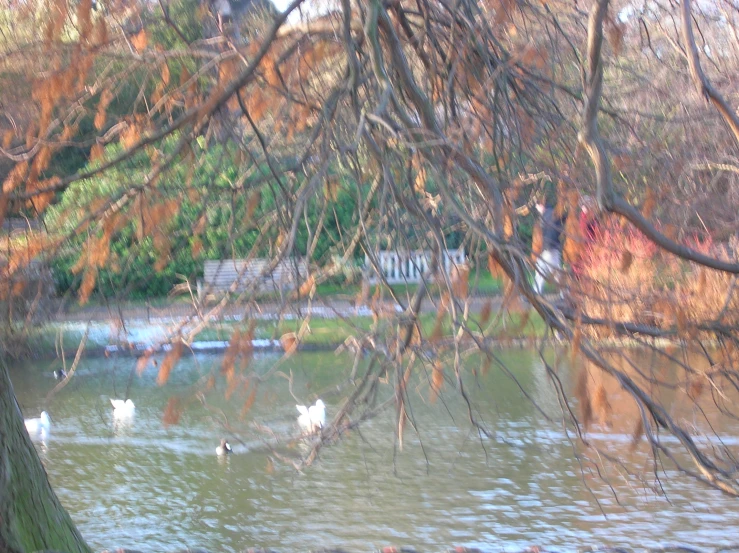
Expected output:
(31, 516)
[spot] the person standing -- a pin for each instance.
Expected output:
(549, 261)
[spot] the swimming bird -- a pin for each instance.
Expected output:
(41, 424)
(224, 448)
(60, 374)
(313, 418)
(122, 408)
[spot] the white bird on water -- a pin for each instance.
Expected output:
(41, 424)
(224, 448)
(313, 418)
(122, 408)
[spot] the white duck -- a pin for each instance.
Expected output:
(39, 425)
(224, 448)
(122, 408)
(313, 418)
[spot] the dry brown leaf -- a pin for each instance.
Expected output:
(583, 396)
(507, 226)
(8, 138)
(601, 405)
(575, 344)
(496, 271)
(460, 277)
(169, 361)
(363, 294)
(165, 74)
(331, 188)
(485, 312)
(537, 240)
(419, 184)
(87, 285)
(129, 136)
(308, 287)
(695, 387)
(637, 433)
(140, 40)
(96, 152)
(249, 401)
(173, 411)
(289, 343)
(437, 380)
(626, 260)
(251, 205)
(101, 32)
(3, 207)
(143, 361)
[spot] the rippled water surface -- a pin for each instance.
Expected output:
(143, 486)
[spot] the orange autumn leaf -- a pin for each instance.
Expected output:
(289, 343)
(143, 361)
(308, 286)
(168, 363)
(173, 411)
(537, 240)
(8, 138)
(485, 312)
(460, 277)
(249, 401)
(626, 259)
(96, 152)
(140, 41)
(437, 380)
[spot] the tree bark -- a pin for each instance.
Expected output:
(31, 516)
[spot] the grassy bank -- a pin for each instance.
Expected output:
(481, 283)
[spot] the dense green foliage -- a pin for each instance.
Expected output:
(216, 225)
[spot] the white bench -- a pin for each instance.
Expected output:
(236, 275)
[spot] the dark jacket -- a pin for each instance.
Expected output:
(551, 229)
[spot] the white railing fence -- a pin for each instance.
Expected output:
(410, 266)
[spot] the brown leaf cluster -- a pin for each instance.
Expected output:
(249, 400)
(437, 380)
(602, 406)
(308, 287)
(240, 350)
(173, 411)
(537, 240)
(169, 361)
(460, 280)
(582, 394)
(485, 311)
(290, 343)
(140, 40)
(143, 361)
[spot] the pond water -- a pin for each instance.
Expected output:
(154, 488)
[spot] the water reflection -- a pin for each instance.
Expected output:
(122, 424)
(163, 488)
(41, 439)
